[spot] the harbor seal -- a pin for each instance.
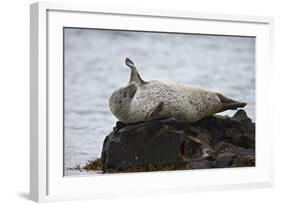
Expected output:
(141, 101)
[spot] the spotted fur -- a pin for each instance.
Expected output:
(140, 100)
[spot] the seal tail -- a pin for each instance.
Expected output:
(229, 104)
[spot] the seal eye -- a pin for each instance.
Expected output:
(120, 101)
(124, 95)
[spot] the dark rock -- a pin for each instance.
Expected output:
(168, 144)
(224, 160)
(213, 127)
(244, 157)
(245, 160)
(241, 130)
(199, 164)
(138, 145)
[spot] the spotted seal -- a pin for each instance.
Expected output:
(141, 101)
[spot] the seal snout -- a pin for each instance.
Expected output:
(114, 101)
(120, 100)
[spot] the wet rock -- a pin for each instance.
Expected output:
(168, 144)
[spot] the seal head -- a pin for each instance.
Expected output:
(120, 101)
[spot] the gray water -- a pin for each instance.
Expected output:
(94, 67)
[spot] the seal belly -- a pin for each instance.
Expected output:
(199, 103)
(149, 97)
(183, 102)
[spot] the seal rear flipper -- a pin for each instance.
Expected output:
(135, 77)
(233, 106)
(154, 113)
(229, 104)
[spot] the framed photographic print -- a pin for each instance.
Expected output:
(129, 101)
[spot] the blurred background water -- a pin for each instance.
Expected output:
(94, 68)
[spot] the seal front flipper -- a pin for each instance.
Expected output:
(154, 113)
(135, 77)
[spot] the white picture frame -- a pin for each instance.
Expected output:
(46, 138)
